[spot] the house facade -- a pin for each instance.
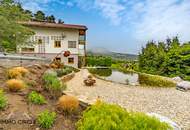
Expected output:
(53, 40)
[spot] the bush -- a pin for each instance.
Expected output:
(102, 116)
(36, 98)
(101, 72)
(46, 119)
(53, 85)
(3, 100)
(17, 72)
(62, 72)
(15, 85)
(155, 81)
(68, 104)
(98, 61)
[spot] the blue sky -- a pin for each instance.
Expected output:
(121, 25)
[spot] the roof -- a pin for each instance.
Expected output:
(53, 25)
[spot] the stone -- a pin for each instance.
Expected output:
(184, 85)
(166, 120)
(177, 79)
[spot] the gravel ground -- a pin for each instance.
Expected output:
(168, 102)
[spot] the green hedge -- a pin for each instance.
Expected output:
(102, 116)
(101, 71)
(155, 81)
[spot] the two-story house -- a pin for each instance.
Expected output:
(52, 40)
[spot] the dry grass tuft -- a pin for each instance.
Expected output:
(17, 72)
(68, 104)
(15, 85)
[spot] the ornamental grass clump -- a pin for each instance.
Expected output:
(17, 72)
(155, 81)
(68, 104)
(15, 85)
(53, 85)
(3, 100)
(102, 116)
(36, 98)
(46, 119)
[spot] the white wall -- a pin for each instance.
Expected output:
(71, 35)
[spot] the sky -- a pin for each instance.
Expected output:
(121, 25)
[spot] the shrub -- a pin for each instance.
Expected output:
(15, 85)
(101, 72)
(36, 98)
(46, 119)
(62, 72)
(53, 84)
(102, 116)
(154, 80)
(68, 104)
(17, 72)
(3, 100)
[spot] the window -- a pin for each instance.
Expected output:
(27, 49)
(72, 44)
(81, 32)
(70, 60)
(39, 41)
(57, 44)
(57, 59)
(81, 38)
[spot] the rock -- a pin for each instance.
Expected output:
(183, 85)
(177, 79)
(166, 120)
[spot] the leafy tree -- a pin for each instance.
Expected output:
(168, 59)
(39, 16)
(60, 21)
(11, 32)
(50, 19)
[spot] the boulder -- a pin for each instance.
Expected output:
(177, 79)
(166, 120)
(184, 85)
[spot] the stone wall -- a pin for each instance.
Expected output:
(14, 60)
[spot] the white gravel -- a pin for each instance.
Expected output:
(168, 102)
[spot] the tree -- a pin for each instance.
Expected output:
(50, 19)
(168, 59)
(39, 16)
(11, 32)
(60, 21)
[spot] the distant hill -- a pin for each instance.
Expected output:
(105, 52)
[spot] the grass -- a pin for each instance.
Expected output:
(155, 81)
(53, 85)
(46, 119)
(3, 100)
(15, 85)
(36, 98)
(102, 116)
(17, 72)
(68, 104)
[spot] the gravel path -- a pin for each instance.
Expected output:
(168, 102)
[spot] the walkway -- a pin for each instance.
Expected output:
(165, 101)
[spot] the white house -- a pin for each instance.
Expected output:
(51, 40)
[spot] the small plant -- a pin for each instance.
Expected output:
(3, 100)
(46, 119)
(68, 104)
(15, 85)
(53, 85)
(102, 116)
(36, 98)
(17, 72)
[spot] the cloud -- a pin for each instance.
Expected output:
(163, 18)
(145, 19)
(111, 9)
